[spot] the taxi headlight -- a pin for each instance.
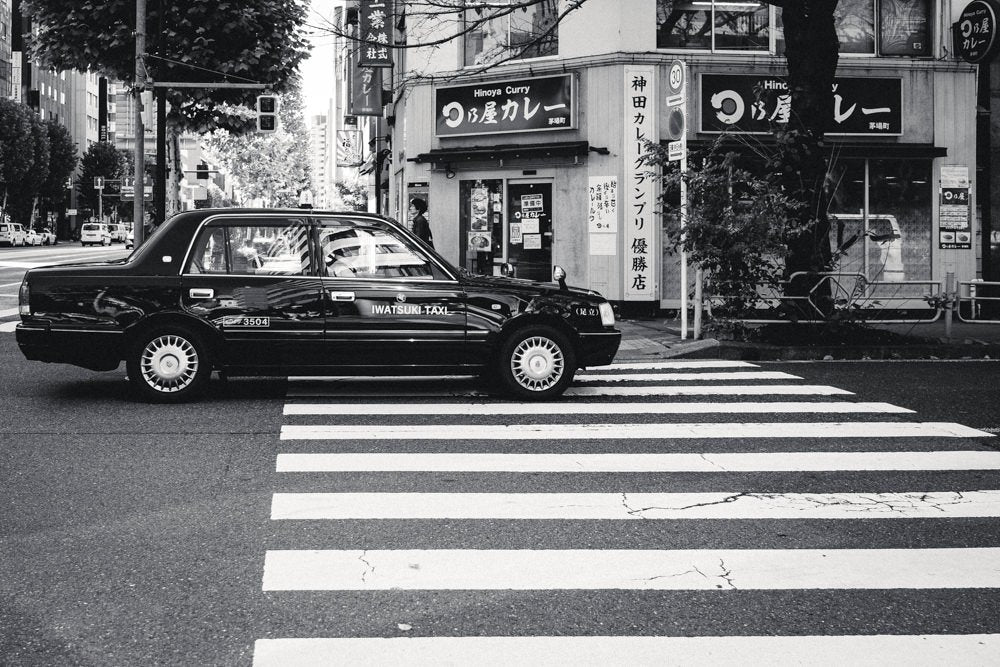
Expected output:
(607, 314)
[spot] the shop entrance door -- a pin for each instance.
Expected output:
(529, 230)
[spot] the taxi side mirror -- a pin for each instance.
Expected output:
(559, 275)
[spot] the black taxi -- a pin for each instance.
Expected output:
(304, 292)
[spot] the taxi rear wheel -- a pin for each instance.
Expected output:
(536, 363)
(169, 365)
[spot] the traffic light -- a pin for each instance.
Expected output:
(267, 113)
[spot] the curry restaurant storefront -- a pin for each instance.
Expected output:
(542, 170)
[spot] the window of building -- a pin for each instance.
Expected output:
(527, 31)
(713, 25)
(879, 27)
(880, 217)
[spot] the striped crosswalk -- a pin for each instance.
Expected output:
(647, 487)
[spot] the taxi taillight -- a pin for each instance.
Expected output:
(24, 298)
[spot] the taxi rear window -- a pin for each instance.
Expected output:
(252, 249)
(91, 228)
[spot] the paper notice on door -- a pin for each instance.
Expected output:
(532, 241)
(603, 244)
(529, 225)
(515, 233)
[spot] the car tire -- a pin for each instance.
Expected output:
(169, 365)
(535, 363)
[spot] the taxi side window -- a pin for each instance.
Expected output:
(364, 250)
(271, 250)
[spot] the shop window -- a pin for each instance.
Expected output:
(889, 239)
(480, 219)
(713, 25)
(902, 27)
(494, 34)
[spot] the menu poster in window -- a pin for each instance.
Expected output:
(954, 227)
(479, 241)
(479, 219)
(529, 225)
(532, 241)
(602, 215)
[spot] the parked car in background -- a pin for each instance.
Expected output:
(95, 233)
(117, 232)
(12, 234)
(32, 238)
(279, 292)
(48, 237)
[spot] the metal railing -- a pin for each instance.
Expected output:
(970, 299)
(869, 300)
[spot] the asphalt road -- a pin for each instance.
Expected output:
(138, 534)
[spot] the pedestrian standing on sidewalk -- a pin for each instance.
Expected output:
(420, 226)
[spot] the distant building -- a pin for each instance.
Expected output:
(320, 148)
(6, 65)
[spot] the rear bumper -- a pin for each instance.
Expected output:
(598, 348)
(88, 348)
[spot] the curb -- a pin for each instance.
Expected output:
(735, 350)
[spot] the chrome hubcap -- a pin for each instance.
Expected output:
(537, 363)
(169, 363)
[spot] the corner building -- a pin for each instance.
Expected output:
(533, 161)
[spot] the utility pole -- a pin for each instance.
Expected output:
(138, 232)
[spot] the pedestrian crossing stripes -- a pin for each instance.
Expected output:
(624, 569)
(647, 463)
(635, 506)
(632, 431)
(483, 409)
(937, 474)
(815, 650)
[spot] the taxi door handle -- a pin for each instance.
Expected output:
(201, 293)
(341, 296)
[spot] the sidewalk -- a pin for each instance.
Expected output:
(659, 338)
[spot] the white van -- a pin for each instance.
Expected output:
(12, 234)
(95, 233)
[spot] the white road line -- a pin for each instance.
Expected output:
(652, 463)
(386, 391)
(9, 327)
(629, 431)
(623, 569)
(663, 365)
(8, 312)
(480, 409)
(710, 390)
(818, 651)
(635, 506)
(684, 377)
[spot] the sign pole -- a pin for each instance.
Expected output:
(677, 150)
(138, 216)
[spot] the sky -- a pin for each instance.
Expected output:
(317, 70)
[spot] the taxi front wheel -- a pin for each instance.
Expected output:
(536, 363)
(168, 365)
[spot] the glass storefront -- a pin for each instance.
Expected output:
(506, 221)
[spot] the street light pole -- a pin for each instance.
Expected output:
(138, 232)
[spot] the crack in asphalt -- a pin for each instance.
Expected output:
(370, 570)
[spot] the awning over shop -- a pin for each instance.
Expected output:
(459, 155)
(840, 149)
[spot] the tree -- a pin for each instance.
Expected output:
(17, 153)
(62, 164)
(190, 40)
(105, 161)
(736, 226)
(273, 167)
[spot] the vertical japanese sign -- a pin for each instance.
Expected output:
(954, 228)
(364, 85)
(639, 200)
(375, 25)
(602, 215)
